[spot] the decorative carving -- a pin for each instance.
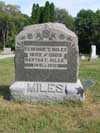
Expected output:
(46, 33)
(39, 36)
(23, 37)
(29, 36)
(71, 44)
(52, 36)
(20, 45)
(69, 38)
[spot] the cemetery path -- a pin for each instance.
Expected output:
(6, 56)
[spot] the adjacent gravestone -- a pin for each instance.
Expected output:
(47, 61)
(83, 57)
(7, 51)
(93, 52)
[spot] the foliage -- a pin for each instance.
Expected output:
(41, 20)
(41, 14)
(87, 26)
(52, 12)
(47, 13)
(62, 16)
(35, 14)
(11, 22)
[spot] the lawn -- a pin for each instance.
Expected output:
(70, 117)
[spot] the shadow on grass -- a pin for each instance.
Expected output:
(5, 92)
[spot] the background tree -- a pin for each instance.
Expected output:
(2, 5)
(52, 12)
(98, 31)
(47, 12)
(62, 16)
(41, 20)
(11, 22)
(43, 14)
(86, 23)
(12, 8)
(4, 28)
(35, 14)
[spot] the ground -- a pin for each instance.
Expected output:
(70, 117)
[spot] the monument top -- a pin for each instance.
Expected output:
(47, 52)
(47, 32)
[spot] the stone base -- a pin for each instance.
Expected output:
(47, 92)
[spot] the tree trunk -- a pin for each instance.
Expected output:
(4, 40)
(5, 34)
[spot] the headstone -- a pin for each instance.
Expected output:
(83, 57)
(7, 51)
(47, 61)
(93, 53)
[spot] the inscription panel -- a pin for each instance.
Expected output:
(45, 61)
(45, 57)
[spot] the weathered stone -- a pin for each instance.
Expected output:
(47, 53)
(47, 91)
(55, 57)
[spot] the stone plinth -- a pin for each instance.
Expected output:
(49, 92)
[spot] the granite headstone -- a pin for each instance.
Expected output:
(46, 64)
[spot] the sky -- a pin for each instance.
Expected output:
(72, 6)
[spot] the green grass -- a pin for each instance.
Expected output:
(69, 117)
(0, 52)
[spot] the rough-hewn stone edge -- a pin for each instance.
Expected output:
(47, 32)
